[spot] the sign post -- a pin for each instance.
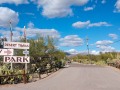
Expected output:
(26, 52)
(25, 36)
(11, 34)
(17, 45)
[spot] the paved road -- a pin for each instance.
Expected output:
(76, 77)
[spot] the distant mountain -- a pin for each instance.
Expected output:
(67, 53)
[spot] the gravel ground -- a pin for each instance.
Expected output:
(75, 77)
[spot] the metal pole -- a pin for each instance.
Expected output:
(26, 49)
(11, 40)
(88, 48)
(10, 31)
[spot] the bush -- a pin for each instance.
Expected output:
(100, 62)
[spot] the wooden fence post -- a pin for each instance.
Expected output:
(24, 77)
(0, 80)
(39, 75)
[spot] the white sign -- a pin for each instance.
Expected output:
(25, 52)
(16, 59)
(16, 45)
(6, 52)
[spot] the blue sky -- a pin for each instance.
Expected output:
(69, 21)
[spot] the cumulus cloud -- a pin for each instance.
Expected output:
(117, 6)
(32, 32)
(71, 40)
(58, 8)
(94, 52)
(30, 25)
(104, 46)
(88, 24)
(7, 15)
(103, 1)
(98, 24)
(6, 33)
(80, 24)
(30, 14)
(113, 36)
(74, 51)
(14, 1)
(104, 42)
(88, 8)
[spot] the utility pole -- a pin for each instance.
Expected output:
(11, 34)
(25, 36)
(87, 39)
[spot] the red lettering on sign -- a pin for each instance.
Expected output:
(16, 59)
(23, 45)
(12, 59)
(0, 50)
(7, 58)
(25, 59)
(12, 45)
(19, 59)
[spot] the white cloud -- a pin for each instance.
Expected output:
(88, 8)
(71, 40)
(104, 46)
(113, 36)
(58, 8)
(7, 15)
(73, 51)
(80, 24)
(94, 52)
(32, 32)
(14, 1)
(6, 33)
(98, 24)
(104, 42)
(117, 6)
(88, 24)
(30, 25)
(103, 1)
(31, 14)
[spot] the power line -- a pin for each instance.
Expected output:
(112, 43)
